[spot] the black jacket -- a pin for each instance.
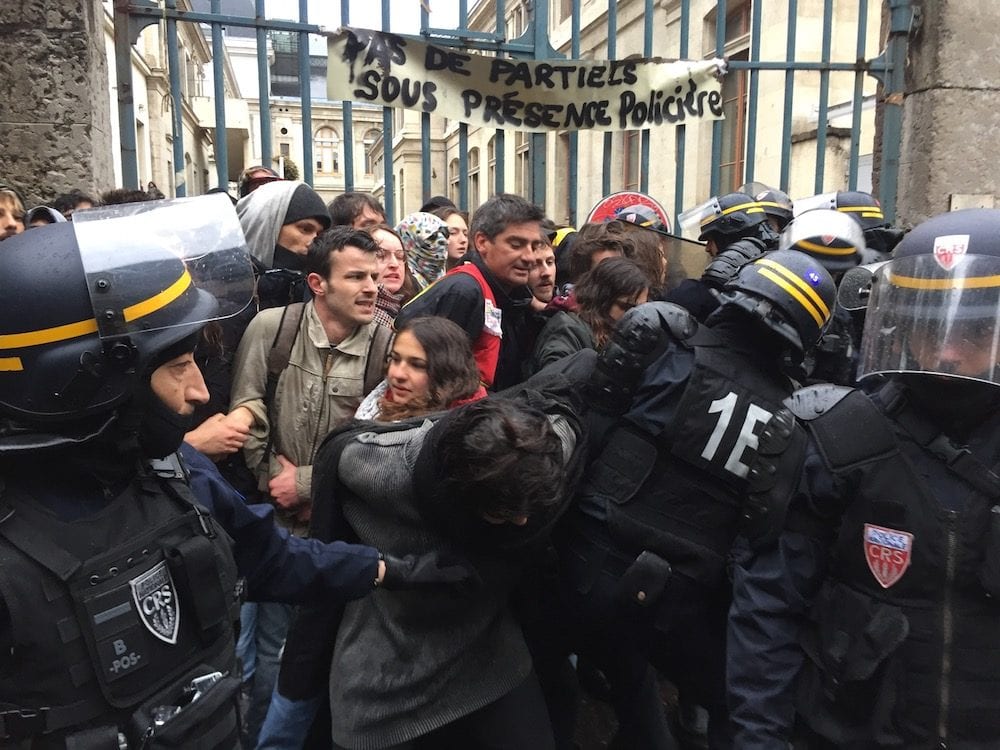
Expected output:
(459, 298)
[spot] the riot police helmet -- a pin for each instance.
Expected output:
(789, 292)
(935, 306)
(725, 217)
(642, 216)
(776, 204)
(86, 307)
(831, 237)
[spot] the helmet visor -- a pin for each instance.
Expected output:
(160, 264)
(823, 200)
(934, 315)
(691, 219)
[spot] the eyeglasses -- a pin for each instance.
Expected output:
(399, 255)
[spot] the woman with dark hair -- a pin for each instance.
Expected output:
(396, 285)
(603, 295)
(430, 368)
(458, 234)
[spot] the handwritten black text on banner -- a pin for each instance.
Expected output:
(538, 95)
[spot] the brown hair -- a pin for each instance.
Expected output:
(601, 287)
(593, 238)
(452, 373)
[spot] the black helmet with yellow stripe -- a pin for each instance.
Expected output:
(86, 307)
(789, 292)
(730, 216)
(935, 307)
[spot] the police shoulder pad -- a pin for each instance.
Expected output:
(812, 401)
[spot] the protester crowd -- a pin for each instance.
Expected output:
(326, 481)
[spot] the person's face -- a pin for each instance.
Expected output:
(407, 371)
(367, 218)
(298, 236)
(967, 350)
(458, 236)
(391, 260)
(10, 222)
(348, 294)
(600, 255)
(82, 205)
(511, 254)
(543, 276)
(179, 384)
(711, 247)
(623, 304)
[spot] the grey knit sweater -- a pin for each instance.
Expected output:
(408, 662)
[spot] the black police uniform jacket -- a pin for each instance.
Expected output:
(672, 476)
(902, 642)
(113, 614)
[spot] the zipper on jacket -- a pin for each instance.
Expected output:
(947, 628)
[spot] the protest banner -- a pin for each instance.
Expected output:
(534, 95)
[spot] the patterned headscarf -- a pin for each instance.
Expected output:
(425, 239)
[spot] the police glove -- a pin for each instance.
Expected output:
(433, 568)
(723, 267)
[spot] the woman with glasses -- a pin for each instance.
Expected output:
(395, 282)
(603, 295)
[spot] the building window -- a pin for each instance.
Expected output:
(371, 138)
(285, 150)
(522, 163)
(565, 9)
(473, 180)
(453, 181)
(491, 165)
(734, 95)
(326, 150)
(630, 161)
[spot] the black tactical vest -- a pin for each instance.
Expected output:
(905, 646)
(113, 616)
(680, 494)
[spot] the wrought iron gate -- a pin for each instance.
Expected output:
(677, 29)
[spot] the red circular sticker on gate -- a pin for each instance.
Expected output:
(610, 206)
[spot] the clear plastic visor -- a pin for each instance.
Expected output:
(160, 264)
(924, 317)
(690, 219)
(823, 200)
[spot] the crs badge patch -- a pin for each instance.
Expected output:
(888, 553)
(156, 600)
(949, 249)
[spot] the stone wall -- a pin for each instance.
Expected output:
(951, 111)
(55, 127)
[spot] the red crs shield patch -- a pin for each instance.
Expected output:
(887, 552)
(949, 249)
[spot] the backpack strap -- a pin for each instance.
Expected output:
(378, 347)
(278, 357)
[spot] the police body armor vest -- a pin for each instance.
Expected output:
(100, 641)
(904, 650)
(680, 495)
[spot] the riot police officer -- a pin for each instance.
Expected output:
(117, 589)
(837, 242)
(645, 545)
(880, 236)
(735, 230)
(867, 605)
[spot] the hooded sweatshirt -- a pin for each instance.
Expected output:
(262, 214)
